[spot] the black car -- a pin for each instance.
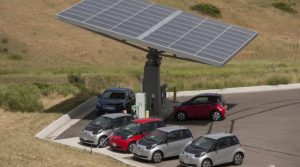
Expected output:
(115, 100)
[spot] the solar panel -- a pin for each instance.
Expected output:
(176, 32)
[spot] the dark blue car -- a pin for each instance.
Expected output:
(115, 100)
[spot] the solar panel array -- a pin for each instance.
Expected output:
(166, 29)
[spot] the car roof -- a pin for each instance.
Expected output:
(218, 135)
(146, 120)
(115, 115)
(117, 89)
(171, 128)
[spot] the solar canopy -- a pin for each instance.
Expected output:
(173, 31)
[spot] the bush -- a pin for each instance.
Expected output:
(21, 98)
(285, 7)
(207, 9)
(4, 40)
(278, 80)
(15, 57)
(64, 90)
(77, 80)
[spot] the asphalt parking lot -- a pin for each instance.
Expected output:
(266, 123)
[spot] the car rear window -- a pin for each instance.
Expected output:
(186, 134)
(113, 95)
(234, 141)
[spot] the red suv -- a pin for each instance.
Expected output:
(125, 138)
(203, 106)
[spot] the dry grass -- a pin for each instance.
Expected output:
(19, 147)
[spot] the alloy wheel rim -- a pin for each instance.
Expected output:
(130, 148)
(206, 164)
(181, 116)
(102, 142)
(238, 159)
(216, 116)
(157, 157)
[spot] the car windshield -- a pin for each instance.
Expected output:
(157, 136)
(132, 128)
(103, 122)
(203, 143)
(113, 95)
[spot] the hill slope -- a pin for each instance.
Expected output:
(40, 44)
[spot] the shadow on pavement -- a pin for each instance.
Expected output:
(69, 104)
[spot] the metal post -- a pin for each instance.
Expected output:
(151, 83)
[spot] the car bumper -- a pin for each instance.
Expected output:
(189, 160)
(141, 152)
(88, 138)
(121, 145)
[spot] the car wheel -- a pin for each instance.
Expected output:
(130, 147)
(216, 116)
(157, 157)
(238, 159)
(207, 163)
(103, 142)
(180, 116)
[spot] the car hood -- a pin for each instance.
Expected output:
(146, 143)
(122, 134)
(193, 150)
(93, 128)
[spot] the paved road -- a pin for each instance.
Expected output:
(267, 125)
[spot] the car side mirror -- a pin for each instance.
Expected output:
(99, 95)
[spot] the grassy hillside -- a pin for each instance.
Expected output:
(19, 147)
(37, 46)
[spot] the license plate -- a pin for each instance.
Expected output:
(114, 145)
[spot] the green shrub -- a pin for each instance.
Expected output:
(15, 57)
(278, 80)
(284, 7)
(77, 80)
(21, 98)
(207, 9)
(4, 40)
(65, 89)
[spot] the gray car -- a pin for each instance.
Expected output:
(163, 143)
(212, 149)
(98, 131)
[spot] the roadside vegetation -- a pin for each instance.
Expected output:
(287, 7)
(207, 9)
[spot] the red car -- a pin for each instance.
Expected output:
(204, 106)
(125, 138)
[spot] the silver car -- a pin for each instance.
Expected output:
(212, 149)
(163, 143)
(99, 130)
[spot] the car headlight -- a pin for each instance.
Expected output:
(97, 132)
(151, 147)
(200, 154)
(127, 137)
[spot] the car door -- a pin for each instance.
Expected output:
(234, 146)
(174, 144)
(185, 139)
(221, 151)
(199, 107)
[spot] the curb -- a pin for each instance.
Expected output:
(253, 89)
(77, 113)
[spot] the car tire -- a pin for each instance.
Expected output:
(130, 147)
(157, 157)
(238, 159)
(207, 163)
(216, 116)
(103, 142)
(180, 116)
